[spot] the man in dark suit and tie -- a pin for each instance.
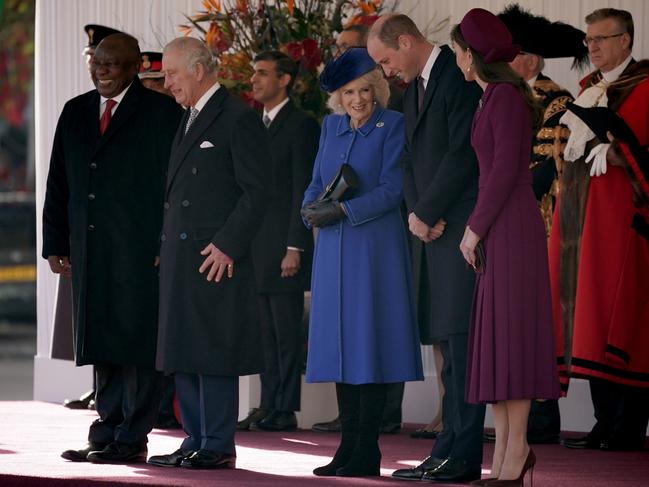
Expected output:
(440, 187)
(214, 205)
(283, 248)
(101, 222)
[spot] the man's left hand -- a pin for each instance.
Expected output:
(217, 263)
(290, 263)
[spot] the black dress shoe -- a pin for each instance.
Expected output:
(390, 428)
(167, 423)
(207, 459)
(418, 472)
(332, 426)
(82, 455)
(278, 421)
(453, 470)
(172, 460)
(589, 442)
(424, 434)
(82, 402)
(117, 452)
(254, 416)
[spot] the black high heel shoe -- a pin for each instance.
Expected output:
(530, 461)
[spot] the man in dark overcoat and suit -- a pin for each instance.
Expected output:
(101, 222)
(440, 188)
(283, 248)
(214, 204)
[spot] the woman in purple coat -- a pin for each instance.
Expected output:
(511, 345)
(362, 331)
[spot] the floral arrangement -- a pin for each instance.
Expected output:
(237, 30)
(16, 58)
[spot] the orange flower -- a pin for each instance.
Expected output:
(242, 6)
(290, 5)
(368, 7)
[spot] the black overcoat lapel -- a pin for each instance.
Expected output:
(205, 118)
(433, 79)
(125, 110)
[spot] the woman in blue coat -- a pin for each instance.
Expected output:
(362, 334)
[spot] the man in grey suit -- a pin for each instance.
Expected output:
(214, 204)
(283, 248)
(440, 188)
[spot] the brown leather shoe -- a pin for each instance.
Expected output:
(208, 459)
(172, 460)
(254, 416)
(117, 452)
(82, 455)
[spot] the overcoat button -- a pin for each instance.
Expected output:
(194, 170)
(167, 205)
(93, 165)
(91, 227)
(183, 236)
(163, 238)
(91, 196)
(185, 203)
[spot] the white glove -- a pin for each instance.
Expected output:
(598, 158)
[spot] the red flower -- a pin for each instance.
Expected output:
(311, 53)
(294, 50)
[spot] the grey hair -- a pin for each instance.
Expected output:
(378, 83)
(194, 52)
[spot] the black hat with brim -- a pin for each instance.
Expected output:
(537, 35)
(96, 33)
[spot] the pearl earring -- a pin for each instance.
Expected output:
(468, 69)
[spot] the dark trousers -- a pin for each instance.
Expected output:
(281, 321)
(622, 412)
(209, 407)
(127, 402)
(393, 400)
(461, 437)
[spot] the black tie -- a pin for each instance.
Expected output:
(421, 93)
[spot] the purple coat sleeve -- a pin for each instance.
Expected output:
(509, 120)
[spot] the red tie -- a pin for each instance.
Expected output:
(105, 118)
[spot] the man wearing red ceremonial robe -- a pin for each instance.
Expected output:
(599, 246)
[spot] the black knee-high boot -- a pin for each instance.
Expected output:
(348, 406)
(366, 457)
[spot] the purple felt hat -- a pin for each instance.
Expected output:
(487, 34)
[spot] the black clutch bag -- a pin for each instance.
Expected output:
(342, 186)
(480, 260)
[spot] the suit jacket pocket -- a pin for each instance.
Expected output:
(202, 236)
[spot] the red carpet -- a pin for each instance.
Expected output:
(33, 434)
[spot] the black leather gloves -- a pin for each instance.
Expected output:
(322, 213)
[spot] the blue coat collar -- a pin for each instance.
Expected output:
(366, 128)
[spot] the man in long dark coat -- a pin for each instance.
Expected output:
(440, 188)
(214, 205)
(101, 222)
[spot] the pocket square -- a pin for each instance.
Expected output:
(206, 144)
